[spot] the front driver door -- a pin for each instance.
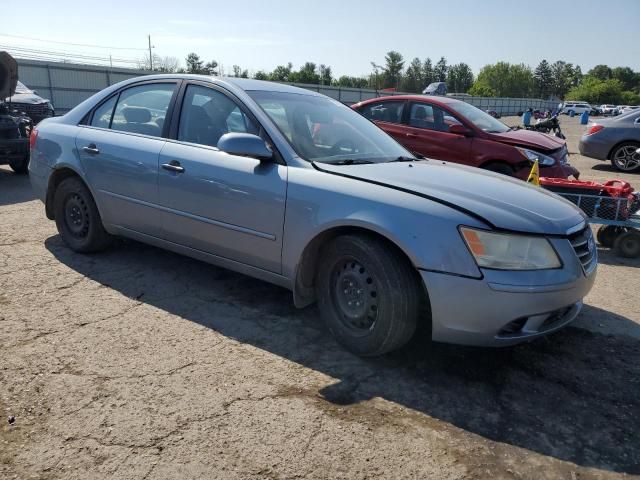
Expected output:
(428, 133)
(226, 205)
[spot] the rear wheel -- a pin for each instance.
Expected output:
(77, 217)
(628, 244)
(607, 234)
(368, 295)
(625, 159)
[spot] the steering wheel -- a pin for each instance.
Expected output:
(347, 143)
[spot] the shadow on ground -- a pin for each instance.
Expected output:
(573, 396)
(14, 188)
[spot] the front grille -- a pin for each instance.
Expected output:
(40, 110)
(585, 248)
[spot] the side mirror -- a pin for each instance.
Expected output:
(245, 145)
(458, 129)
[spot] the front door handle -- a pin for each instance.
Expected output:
(173, 166)
(411, 135)
(91, 148)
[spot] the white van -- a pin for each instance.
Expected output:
(577, 107)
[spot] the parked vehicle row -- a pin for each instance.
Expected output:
(293, 187)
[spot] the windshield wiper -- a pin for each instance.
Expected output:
(405, 159)
(345, 161)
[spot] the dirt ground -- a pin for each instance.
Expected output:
(138, 364)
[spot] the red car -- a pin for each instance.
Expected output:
(447, 129)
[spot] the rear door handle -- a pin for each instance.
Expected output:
(411, 135)
(173, 166)
(91, 148)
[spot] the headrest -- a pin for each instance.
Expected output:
(136, 114)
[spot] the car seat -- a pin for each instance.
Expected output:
(138, 120)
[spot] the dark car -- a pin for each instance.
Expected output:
(615, 139)
(15, 127)
(28, 102)
(447, 129)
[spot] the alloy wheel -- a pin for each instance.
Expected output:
(626, 158)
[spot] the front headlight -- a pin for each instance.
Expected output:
(505, 251)
(532, 156)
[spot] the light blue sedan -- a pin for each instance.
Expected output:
(294, 188)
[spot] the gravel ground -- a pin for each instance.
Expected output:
(138, 363)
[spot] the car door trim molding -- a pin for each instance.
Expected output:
(228, 226)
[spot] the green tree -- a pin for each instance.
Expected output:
(459, 78)
(595, 90)
(412, 80)
(543, 77)
(211, 68)
(394, 64)
(282, 73)
(238, 72)
(440, 70)
(326, 76)
(261, 75)
(601, 72)
(353, 82)
(507, 80)
(630, 98)
(307, 74)
(479, 89)
(626, 75)
(194, 64)
(427, 73)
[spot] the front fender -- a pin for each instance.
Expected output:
(424, 230)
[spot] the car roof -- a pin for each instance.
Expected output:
(436, 99)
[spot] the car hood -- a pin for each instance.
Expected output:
(28, 98)
(527, 138)
(501, 202)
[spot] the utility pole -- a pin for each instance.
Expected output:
(150, 56)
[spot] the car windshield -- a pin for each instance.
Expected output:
(480, 119)
(323, 130)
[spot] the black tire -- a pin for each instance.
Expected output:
(628, 244)
(20, 166)
(501, 168)
(368, 294)
(570, 112)
(78, 219)
(624, 158)
(607, 234)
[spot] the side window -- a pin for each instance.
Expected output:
(143, 109)
(207, 114)
(423, 115)
(102, 115)
(384, 111)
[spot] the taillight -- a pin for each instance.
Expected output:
(33, 136)
(594, 129)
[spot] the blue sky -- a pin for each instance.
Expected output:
(260, 34)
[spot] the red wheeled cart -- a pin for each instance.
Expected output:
(613, 205)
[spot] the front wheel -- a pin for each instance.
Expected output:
(368, 295)
(20, 166)
(501, 168)
(625, 157)
(77, 217)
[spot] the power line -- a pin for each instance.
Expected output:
(31, 51)
(69, 43)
